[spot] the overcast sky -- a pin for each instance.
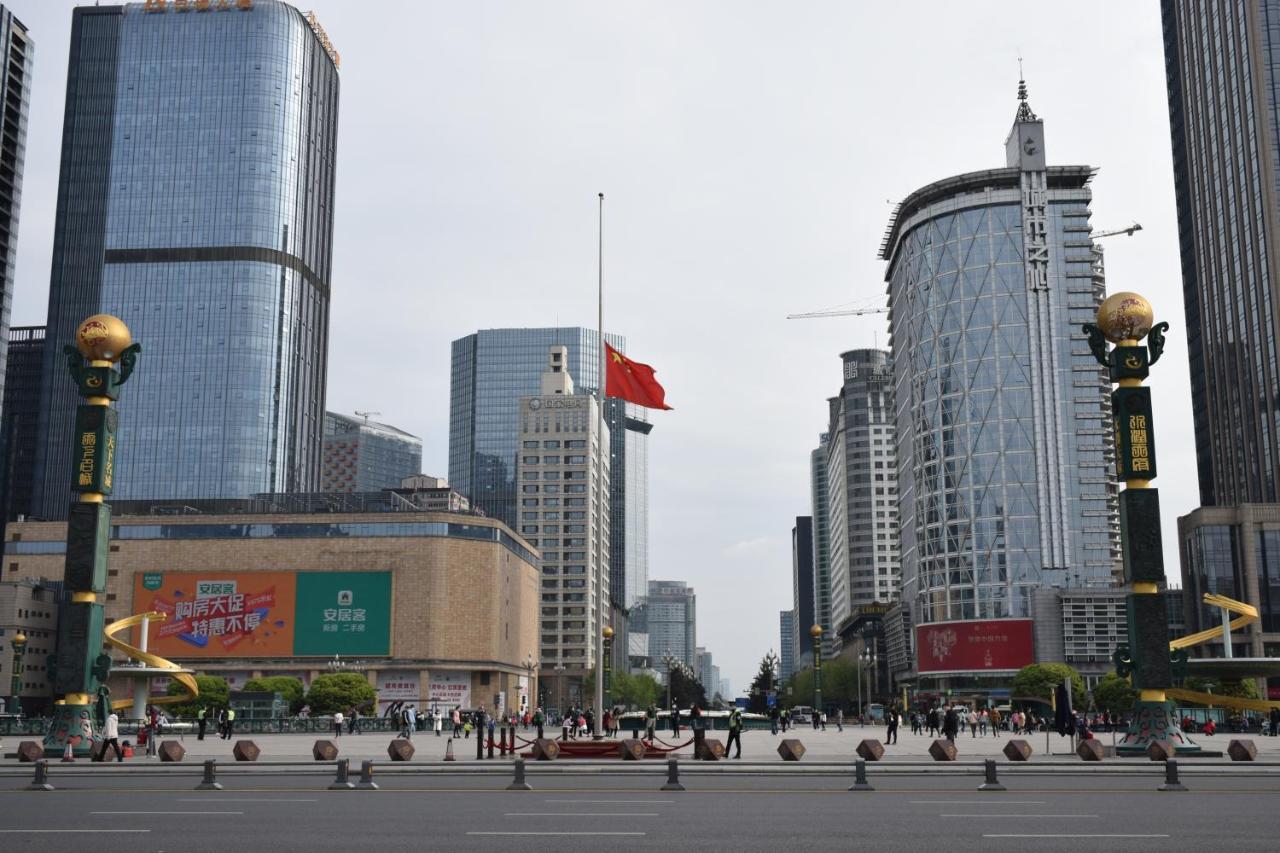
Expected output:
(749, 154)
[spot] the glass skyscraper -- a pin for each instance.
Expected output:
(820, 501)
(361, 455)
(195, 202)
(15, 100)
(491, 370)
(1003, 418)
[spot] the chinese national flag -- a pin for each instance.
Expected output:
(632, 381)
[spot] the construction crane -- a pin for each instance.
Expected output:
(812, 315)
(366, 415)
(1128, 232)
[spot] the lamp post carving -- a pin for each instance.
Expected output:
(19, 644)
(1125, 319)
(815, 631)
(607, 634)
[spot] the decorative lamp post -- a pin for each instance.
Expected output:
(815, 631)
(19, 644)
(1125, 319)
(607, 633)
(531, 666)
(337, 664)
(80, 667)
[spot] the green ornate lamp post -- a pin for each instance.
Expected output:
(815, 631)
(607, 633)
(1125, 319)
(19, 644)
(79, 668)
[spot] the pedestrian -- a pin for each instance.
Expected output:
(951, 724)
(891, 731)
(492, 722)
(111, 738)
(231, 723)
(566, 726)
(934, 721)
(1275, 721)
(353, 722)
(773, 719)
(816, 718)
(337, 724)
(695, 723)
(972, 719)
(455, 717)
(675, 720)
(608, 723)
(839, 719)
(735, 732)
(410, 721)
(437, 720)
(650, 722)
(539, 720)
(995, 720)
(823, 717)
(201, 721)
(983, 720)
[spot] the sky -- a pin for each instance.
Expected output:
(750, 155)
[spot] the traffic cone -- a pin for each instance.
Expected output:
(448, 751)
(67, 754)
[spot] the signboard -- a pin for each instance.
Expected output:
(397, 685)
(267, 614)
(1135, 438)
(449, 690)
(974, 646)
(95, 449)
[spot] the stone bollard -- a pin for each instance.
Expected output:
(870, 749)
(366, 782)
(30, 751)
(860, 782)
(1171, 781)
(791, 750)
(210, 780)
(342, 782)
(1017, 750)
(991, 783)
(324, 750)
(709, 749)
(630, 749)
(519, 783)
(1090, 750)
(1242, 749)
(246, 750)
(171, 750)
(402, 750)
(673, 776)
(545, 749)
(1160, 750)
(942, 750)
(40, 782)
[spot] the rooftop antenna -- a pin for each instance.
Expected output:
(366, 415)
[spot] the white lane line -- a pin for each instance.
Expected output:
(545, 833)
(622, 802)
(73, 830)
(989, 802)
(158, 813)
(1066, 835)
(580, 814)
(1016, 815)
(221, 799)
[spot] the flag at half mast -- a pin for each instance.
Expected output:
(632, 381)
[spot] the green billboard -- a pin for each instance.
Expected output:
(343, 613)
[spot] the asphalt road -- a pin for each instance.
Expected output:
(620, 813)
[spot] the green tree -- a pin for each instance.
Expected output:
(286, 685)
(635, 690)
(766, 679)
(214, 693)
(1245, 688)
(1114, 694)
(1039, 680)
(686, 691)
(341, 691)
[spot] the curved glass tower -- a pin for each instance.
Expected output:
(1003, 417)
(196, 203)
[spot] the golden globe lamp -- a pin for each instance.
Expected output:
(103, 337)
(815, 631)
(1125, 317)
(607, 632)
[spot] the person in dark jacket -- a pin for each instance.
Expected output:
(735, 732)
(950, 724)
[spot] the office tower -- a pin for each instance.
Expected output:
(802, 593)
(671, 611)
(862, 489)
(787, 643)
(19, 415)
(15, 100)
(564, 511)
(1004, 435)
(821, 515)
(361, 455)
(195, 202)
(492, 368)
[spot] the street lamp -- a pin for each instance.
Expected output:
(869, 657)
(19, 643)
(559, 670)
(531, 666)
(815, 631)
(607, 633)
(671, 662)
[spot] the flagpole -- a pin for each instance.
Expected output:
(598, 639)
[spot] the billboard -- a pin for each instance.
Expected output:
(974, 646)
(267, 614)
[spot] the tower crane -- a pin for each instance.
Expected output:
(1128, 232)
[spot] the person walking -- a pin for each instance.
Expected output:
(773, 719)
(231, 723)
(607, 722)
(111, 738)
(539, 720)
(566, 726)
(996, 721)
(934, 721)
(891, 730)
(650, 722)
(983, 719)
(201, 721)
(437, 720)
(816, 718)
(353, 722)
(972, 719)
(735, 732)
(951, 724)
(455, 717)
(1275, 721)
(675, 720)
(839, 719)
(337, 723)
(410, 721)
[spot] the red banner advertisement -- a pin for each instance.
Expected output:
(974, 646)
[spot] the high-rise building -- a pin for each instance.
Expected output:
(493, 367)
(821, 515)
(15, 100)
(196, 202)
(862, 489)
(564, 511)
(671, 611)
(787, 644)
(1222, 73)
(19, 415)
(802, 593)
(361, 455)
(1003, 418)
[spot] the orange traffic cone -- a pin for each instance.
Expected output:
(67, 754)
(448, 751)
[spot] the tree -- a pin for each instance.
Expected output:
(1039, 680)
(214, 693)
(1114, 694)
(766, 680)
(1245, 688)
(286, 685)
(341, 691)
(686, 690)
(635, 690)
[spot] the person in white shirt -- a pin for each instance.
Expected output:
(111, 738)
(337, 724)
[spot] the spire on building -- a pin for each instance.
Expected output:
(1024, 108)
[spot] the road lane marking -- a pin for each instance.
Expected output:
(158, 813)
(618, 802)
(580, 814)
(998, 801)
(1068, 835)
(73, 830)
(1016, 815)
(221, 799)
(545, 833)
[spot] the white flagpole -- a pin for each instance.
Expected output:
(598, 640)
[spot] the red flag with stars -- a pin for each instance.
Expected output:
(632, 381)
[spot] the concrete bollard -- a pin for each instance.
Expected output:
(40, 782)
(342, 782)
(366, 776)
(991, 783)
(673, 776)
(1171, 781)
(210, 780)
(519, 783)
(860, 782)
